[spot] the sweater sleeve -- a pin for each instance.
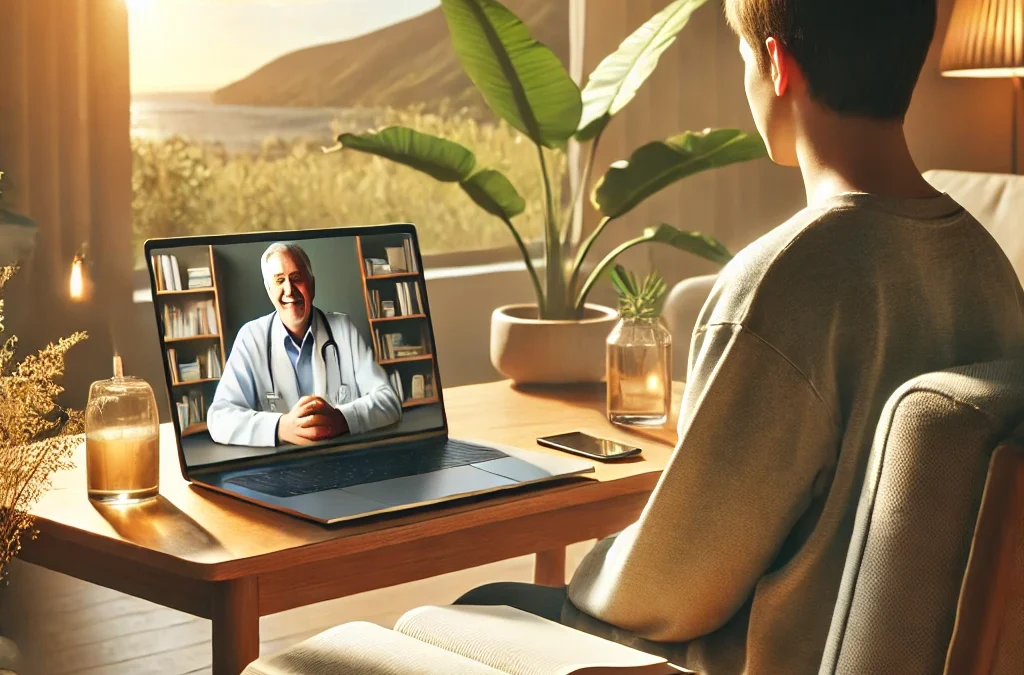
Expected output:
(753, 435)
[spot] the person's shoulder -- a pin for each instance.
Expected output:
(742, 281)
(256, 329)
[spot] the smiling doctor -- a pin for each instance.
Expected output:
(298, 375)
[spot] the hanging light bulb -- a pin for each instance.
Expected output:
(79, 283)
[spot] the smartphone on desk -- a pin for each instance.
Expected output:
(586, 445)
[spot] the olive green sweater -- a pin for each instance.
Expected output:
(736, 561)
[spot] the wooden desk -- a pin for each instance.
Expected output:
(232, 562)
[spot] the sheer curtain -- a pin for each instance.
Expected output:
(65, 148)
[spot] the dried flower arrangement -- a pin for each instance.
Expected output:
(37, 436)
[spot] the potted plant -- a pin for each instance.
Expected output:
(561, 338)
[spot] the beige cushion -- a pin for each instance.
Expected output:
(682, 308)
(915, 521)
(996, 200)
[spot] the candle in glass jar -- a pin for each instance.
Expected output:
(122, 440)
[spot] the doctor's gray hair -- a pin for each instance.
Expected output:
(294, 250)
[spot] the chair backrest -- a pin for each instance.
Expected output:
(995, 199)
(916, 523)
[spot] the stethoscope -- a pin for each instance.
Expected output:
(272, 395)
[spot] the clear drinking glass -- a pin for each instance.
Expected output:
(122, 440)
(639, 367)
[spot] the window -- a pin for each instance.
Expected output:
(232, 101)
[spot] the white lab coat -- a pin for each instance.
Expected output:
(241, 410)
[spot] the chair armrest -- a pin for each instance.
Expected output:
(682, 308)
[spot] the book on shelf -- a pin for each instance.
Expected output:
(396, 258)
(190, 371)
(168, 276)
(191, 409)
(376, 267)
(466, 639)
(199, 277)
(191, 320)
(206, 366)
(408, 294)
(172, 360)
(417, 387)
(392, 346)
(212, 366)
(410, 257)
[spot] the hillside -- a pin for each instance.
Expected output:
(404, 64)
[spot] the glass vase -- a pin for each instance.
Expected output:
(122, 441)
(639, 364)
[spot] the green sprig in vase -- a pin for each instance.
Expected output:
(639, 353)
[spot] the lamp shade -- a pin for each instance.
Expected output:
(985, 38)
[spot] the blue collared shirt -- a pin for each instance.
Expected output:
(301, 357)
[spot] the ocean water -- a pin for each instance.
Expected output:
(239, 128)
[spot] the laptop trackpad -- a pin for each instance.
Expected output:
(428, 487)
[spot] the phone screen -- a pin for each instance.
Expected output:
(600, 447)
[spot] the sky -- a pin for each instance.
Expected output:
(201, 45)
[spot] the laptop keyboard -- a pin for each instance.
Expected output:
(360, 467)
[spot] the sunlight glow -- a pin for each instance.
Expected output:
(138, 5)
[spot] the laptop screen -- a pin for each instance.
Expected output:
(278, 342)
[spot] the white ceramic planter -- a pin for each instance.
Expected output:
(529, 350)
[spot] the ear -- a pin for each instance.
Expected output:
(779, 64)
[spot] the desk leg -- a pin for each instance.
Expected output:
(549, 568)
(236, 625)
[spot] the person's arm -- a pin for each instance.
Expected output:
(378, 405)
(233, 417)
(753, 435)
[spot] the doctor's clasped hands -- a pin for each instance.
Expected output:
(312, 419)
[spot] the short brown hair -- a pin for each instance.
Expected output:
(860, 57)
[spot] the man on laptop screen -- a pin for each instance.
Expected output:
(272, 346)
(298, 374)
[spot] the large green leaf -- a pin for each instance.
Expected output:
(494, 193)
(617, 78)
(693, 242)
(702, 245)
(656, 165)
(522, 81)
(442, 159)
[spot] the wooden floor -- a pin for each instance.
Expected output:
(64, 626)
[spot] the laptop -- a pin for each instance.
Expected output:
(302, 375)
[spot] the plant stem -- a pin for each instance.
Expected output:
(601, 266)
(556, 300)
(577, 264)
(529, 265)
(581, 188)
